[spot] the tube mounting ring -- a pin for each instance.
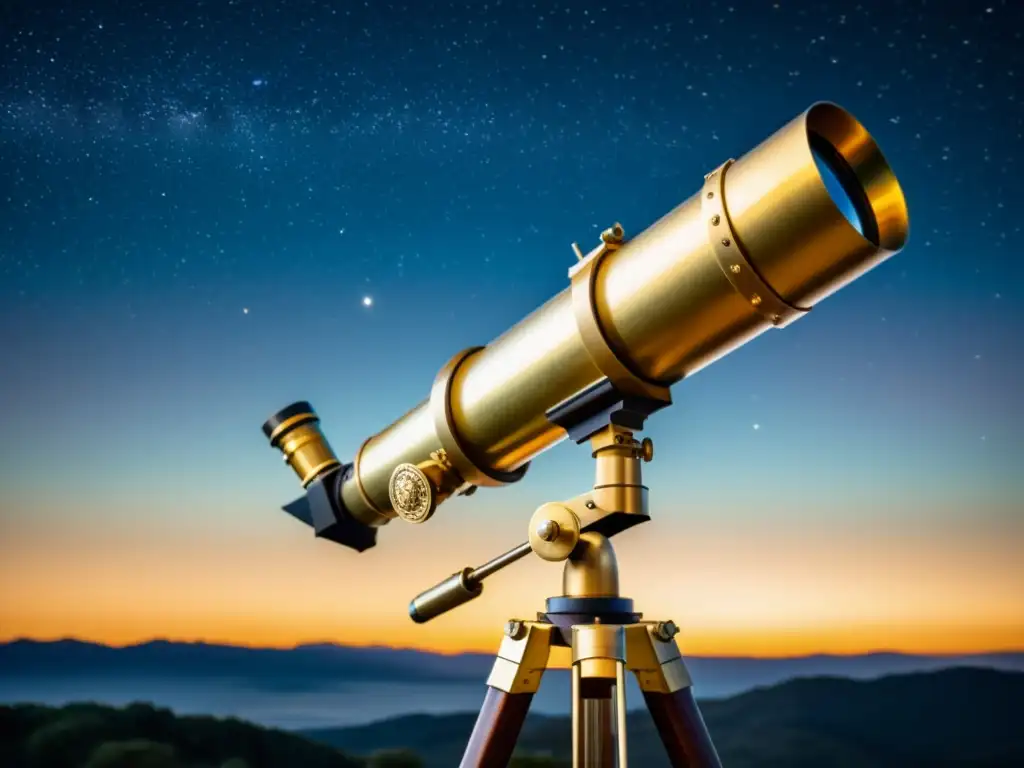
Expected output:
(734, 264)
(584, 310)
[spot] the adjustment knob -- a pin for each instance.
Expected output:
(554, 532)
(647, 449)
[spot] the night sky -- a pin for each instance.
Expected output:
(212, 209)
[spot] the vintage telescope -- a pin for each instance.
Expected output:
(765, 238)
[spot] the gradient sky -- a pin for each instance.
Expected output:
(197, 197)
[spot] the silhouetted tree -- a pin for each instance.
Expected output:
(395, 758)
(143, 736)
(66, 741)
(138, 753)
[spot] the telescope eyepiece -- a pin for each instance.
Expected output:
(287, 419)
(295, 431)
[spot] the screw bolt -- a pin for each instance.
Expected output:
(514, 629)
(667, 630)
(548, 530)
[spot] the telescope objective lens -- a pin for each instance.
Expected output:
(843, 186)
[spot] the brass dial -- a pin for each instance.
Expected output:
(412, 494)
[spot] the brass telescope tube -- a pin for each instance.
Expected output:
(757, 247)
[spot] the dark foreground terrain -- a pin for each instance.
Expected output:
(956, 717)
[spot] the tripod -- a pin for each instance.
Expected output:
(590, 623)
(605, 638)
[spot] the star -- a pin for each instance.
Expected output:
(245, 310)
(367, 301)
(757, 427)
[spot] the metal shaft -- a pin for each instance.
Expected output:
(620, 714)
(577, 715)
(495, 565)
(597, 750)
(597, 742)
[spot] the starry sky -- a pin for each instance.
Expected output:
(211, 209)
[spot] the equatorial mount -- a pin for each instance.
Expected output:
(590, 625)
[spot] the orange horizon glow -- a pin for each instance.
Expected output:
(739, 588)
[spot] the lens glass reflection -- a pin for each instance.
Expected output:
(843, 187)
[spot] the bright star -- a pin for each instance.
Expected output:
(757, 426)
(245, 310)
(367, 301)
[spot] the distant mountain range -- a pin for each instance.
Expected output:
(955, 717)
(312, 666)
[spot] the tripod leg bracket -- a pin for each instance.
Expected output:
(597, 649)
(656, 662)
(522, 658)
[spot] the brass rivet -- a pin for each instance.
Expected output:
(755, 299)
(715, 219)
(735, 269)
(776, 319)
(710, 195)
(726, 242)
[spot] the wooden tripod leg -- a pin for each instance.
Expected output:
(497, 729)
(655, 659)
(514, 679)
(681, 727)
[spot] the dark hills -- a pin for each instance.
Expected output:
(141, 736)
(955, 717)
